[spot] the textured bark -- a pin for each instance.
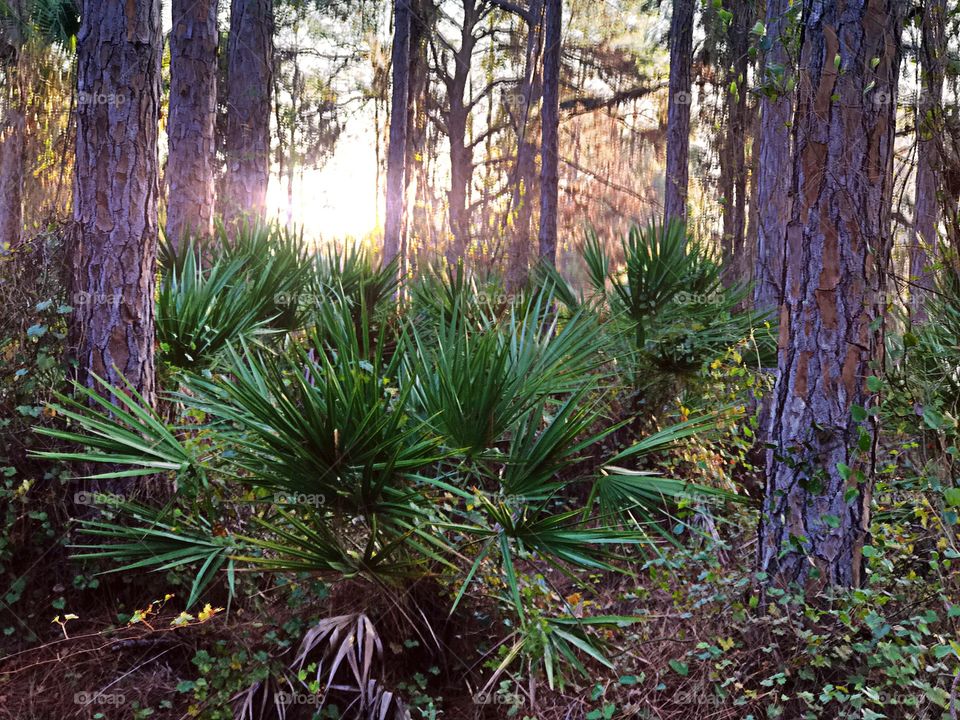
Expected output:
(12, 124)
(399, 115)
(249, 86)
(733, 155)
(190, 129)
(115, 192)
(929, 130)
(550, 142)
(816, 512)
(678, 111)
(773, 179)
(522, 198)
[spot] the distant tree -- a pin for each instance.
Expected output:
(678, 111)
(115, 192)
(550, 119)
(249, 86)
(190, 128)
(838, 245)
(399, 117)
(773, 182)
(929, 128)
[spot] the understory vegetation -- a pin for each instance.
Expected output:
(362, 499)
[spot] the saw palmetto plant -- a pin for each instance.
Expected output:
(458, 442)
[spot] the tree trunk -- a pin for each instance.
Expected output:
(521, 202)
(415, 226)
(115, 192)
(550, 143)
(397, 152)
(929, 123)
(12, 126)
(12, 130)
(678, 111)
(818, 486)
(773, 180)
(733, 167)
(461, 151)
(190, 129)
(249, 86)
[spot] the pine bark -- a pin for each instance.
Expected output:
(115, 192)
(929, 124)
(550, 142)
(249, 88)
(190, 129)
(399, 116)
(678, 112)
(819, 473)
(773, 180)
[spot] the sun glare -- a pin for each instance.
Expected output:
(337, 201)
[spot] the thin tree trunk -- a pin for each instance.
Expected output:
(733, 167)
(12, 130)
(818, 486)
(249, 86)
(461, 151)
(678, 111)
(12, 126)
(415, 222)
(550, 143)
(929, 124)
(522, 199)
(397, 152)
(190, 130)
(773, 180)
(115, 192)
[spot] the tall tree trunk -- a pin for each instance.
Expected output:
(678, 111)
(929, 124)
(190, 129)
(733, 167)
(415, 226)
(12, 124)
(773, 181)
(397, 152)
(249, 86)
(550, 120)
(522, 198)
(115, 192)
(818, 486)
(461, 150)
